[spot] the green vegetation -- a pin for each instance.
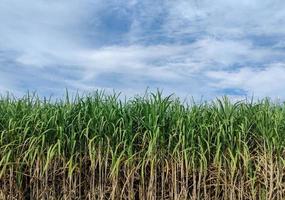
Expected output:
(151, 147)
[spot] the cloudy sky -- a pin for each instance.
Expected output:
(201, 48)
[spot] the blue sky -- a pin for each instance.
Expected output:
(196, 48)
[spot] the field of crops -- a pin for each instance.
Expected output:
(149, 147)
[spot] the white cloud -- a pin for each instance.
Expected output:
(149, 61)
(232, 19)
(41, 33)
(204, 42)
(269, 81)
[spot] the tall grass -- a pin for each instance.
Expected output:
(150, 147)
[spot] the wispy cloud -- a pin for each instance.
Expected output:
(191, 47)
(265, 82)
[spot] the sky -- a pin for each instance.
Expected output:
(197, 48)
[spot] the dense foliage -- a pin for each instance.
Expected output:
(151, 147)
